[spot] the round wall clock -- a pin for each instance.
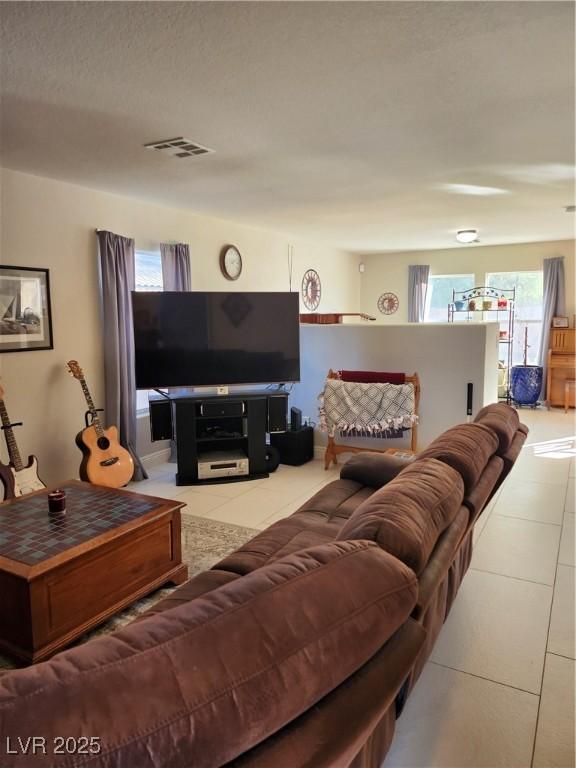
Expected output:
(230, 262)
(388, 303)
(311, 289)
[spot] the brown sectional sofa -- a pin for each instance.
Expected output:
(298, 650)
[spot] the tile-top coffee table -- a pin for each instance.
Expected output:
(61, 575)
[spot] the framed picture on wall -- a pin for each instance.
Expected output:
(25, 314)
(560, 322)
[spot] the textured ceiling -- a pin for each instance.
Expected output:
(344, 121)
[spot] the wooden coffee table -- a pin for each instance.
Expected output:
(61, 575)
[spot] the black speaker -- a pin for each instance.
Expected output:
(216, 408)
(295, 419)
(277, 405)
(469, 398)
(296, 447)
(161, 420)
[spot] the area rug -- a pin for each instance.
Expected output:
(204, 543)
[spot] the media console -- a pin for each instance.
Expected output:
(219, 438)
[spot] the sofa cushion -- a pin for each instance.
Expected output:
(407, 515)
(317, 521)
(503, 420)
(467, 448)
(373, 469)
(209, 680)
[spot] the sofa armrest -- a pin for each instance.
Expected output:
(373, 469)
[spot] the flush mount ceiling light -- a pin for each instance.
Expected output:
(467, 235)
(472, 189)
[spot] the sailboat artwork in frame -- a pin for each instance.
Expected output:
(25, 314)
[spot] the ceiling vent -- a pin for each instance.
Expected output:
(179, 147)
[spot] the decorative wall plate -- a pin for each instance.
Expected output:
(388, 303)
(311, 289)
(230, 262)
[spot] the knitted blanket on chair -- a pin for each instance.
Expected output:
(366, 410)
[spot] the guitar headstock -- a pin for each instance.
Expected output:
(75, 370)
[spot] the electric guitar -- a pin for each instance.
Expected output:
(105, 461)
(18, 479)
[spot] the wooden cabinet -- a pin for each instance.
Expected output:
(562, 340)
(561, 366)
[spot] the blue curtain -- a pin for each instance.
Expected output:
(554, 304)
(417, 290)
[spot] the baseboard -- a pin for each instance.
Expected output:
(153, 459)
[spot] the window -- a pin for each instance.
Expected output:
(148, 269)
(528, 310)
(439, 295)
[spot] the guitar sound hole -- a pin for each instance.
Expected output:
(103, 443)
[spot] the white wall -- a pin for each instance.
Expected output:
(445, 356)
(50, 224)
(389, 271)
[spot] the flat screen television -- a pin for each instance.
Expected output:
(205, 339)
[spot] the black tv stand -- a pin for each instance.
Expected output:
(236, 423)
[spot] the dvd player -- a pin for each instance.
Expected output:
(214, 464)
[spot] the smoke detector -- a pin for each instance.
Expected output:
(179, 147)
(570, 208)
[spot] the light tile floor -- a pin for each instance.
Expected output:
(499, 687)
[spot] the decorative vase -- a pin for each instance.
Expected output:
(460, 305)
(472, 305)
(526, 383)
(487, 304)
(502, 303)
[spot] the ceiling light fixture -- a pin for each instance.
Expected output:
(570, 208)
(467, 235)
(472, 189)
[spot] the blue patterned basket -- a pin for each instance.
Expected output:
(526, 383)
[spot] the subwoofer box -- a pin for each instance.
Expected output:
(295, 447)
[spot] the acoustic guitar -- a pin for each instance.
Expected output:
(17, 478)
(105, 461)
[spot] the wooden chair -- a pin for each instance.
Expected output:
(333, 448)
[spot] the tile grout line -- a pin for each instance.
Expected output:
(561, 655)
(547, 640)
(487, 679)
(516, 578)
(527, 519)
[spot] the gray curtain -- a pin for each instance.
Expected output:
(175, 277)
(417, 290)
(118, 277)
(554, 304)
(175, 266)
